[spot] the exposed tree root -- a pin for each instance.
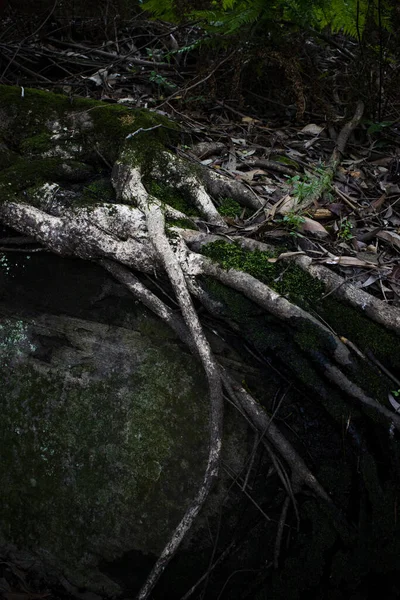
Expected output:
(373, 308)
(222, 187)
(131, 234)
(301, 476)
(380, 312)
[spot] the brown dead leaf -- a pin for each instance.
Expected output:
(337, 208)
(314, 227)
(249, 175)
(286, 205)
(277, 207)
(312, 129)
(376, 204)
(349, 261)
(321, 213)
(250, 120)
(391, 237)
(285, 255)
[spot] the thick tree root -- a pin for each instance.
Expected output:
(131, 234)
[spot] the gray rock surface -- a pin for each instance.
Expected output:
(104, 422)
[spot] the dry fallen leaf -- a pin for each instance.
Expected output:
(285, 255)
(312, 129)
(376, 204)
(249, 175)
(314, 227)
(321, 213)
(371, 279)
(390, 236)
(284, 205)
(349, 261)
(250, 120)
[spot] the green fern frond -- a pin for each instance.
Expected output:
(351, 16)
(229, 21)
(161, 9)
(228, 4)
(232, 16)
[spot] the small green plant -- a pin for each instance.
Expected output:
(325, 177)
(396, 393)
(377, 127)
(161, 81)
(292, 221)
(305, 186)
(345, 227)
(311, 185)
(301, 188)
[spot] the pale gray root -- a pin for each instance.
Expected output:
(153, 303)
(203, 150)
(197, 239)
(300, 473)
(178, 174)
(272, 165)
(266, 427)
(220, 186)
(279, 534)
(271, 301)
(350, 388)
(284, 310)
(373, 308)
(381, 312)
(76, 236)
(133, 188)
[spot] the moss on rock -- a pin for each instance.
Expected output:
(102, 449)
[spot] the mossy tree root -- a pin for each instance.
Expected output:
(301, 476)
(130, 233)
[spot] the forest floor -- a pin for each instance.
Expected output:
(274, 130)
(273, 127)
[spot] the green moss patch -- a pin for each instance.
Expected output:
(173, 198)
(101, 129)
(287, 279)
(300, 288)
(100, 190)
(28, 173)
(229, 208)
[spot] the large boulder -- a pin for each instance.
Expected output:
(104, 423)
